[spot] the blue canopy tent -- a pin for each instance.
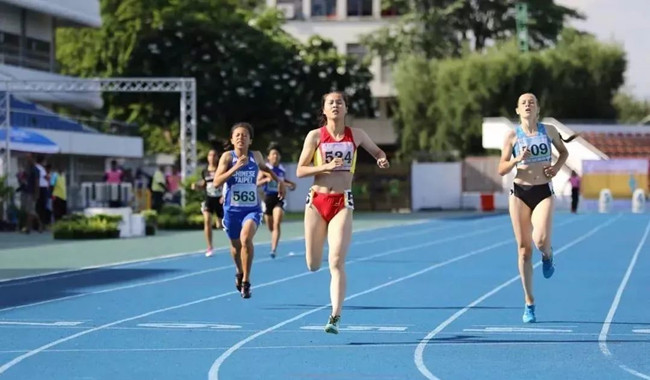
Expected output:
(27, 141)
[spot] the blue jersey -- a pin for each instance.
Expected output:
(241, 189)
(539, 145)
(272, 187)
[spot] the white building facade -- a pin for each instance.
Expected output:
(344, 22)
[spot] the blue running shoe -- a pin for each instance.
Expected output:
(332, 326)
(529, 314)
(547, 267)
(272, 254)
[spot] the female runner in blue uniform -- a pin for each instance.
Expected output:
(238, 169)
(273, 206)
(528, 148)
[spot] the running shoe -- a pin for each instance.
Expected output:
(547, 267)
(246, 290)
(238, 279)
(332, 326)
(529, 314)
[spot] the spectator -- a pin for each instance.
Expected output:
(174, 185)
(574, 180)
(59, 194)
(29, 197)
(114, 177)
(43, 191)
(158, 188)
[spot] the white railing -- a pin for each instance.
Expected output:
(102, 194)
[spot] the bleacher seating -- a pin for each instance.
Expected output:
(30, 115)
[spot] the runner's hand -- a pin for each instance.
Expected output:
(335, 163)
(282, 190)
(241, 162)
(525, 153)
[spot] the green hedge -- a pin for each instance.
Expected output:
(151, 222)
(180, 222)
(174, 217)
(77, 226)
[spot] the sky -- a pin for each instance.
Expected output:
(626, 22)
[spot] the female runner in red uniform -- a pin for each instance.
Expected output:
(329, 154)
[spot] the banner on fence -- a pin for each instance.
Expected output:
(620, 176)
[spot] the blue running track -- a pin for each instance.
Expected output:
(438, 299)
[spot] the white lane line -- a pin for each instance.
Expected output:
(602, 337)
(418, 356)
(35, 351)
(211, 270)
(56, 275)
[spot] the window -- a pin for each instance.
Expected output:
(37, 54)
(323, 8)
(386, 72)
(9, 48)
(392, 8)
(358, 8)
(356, 51)
(292, 9)
(391, 106)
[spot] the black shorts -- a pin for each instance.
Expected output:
(212, 205)
(271, 201)
(532, 195)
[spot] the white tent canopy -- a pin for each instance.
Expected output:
(88, 100)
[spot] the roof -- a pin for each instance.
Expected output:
(77, 12)
(620, 144)
(84, 100)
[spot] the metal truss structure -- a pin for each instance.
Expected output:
(186, 87)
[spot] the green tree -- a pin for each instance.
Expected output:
(631, 110)
(443, 28)
(246, 67)
(442, 102)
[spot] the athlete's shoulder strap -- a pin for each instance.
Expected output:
(350, 133)
(541, 129)
(324, 134)
(519, 131)
(233, 158)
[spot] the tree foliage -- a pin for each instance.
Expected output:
(442, 102)
(631, 110)
(246, 67)
(444, 28)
